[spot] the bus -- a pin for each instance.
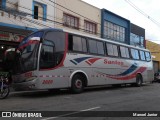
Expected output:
(55, 58)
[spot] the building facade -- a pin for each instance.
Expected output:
(77, 15)
(19, 18)
(137, 36)
(114, 27)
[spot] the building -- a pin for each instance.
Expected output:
(119, 29)
(115, 27)
(155, 51)
(77, 15)
(137, 36)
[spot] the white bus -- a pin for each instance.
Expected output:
(55, 58)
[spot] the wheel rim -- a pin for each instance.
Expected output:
(78, 83)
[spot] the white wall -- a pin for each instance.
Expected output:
(89, 12)
(28, 21)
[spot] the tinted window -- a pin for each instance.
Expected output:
(92, 46)
(96, 47)
(112, 50)
(79, 44)
(84, 45)
(47, 54)
(58, 38)
(52, 50)
(100, 48)
(142, 55)
(134, 54)
(148, 57)
(124, 52)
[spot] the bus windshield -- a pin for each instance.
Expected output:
(52, 50)
(28, 53)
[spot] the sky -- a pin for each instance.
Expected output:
(151, 8)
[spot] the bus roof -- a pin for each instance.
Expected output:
(93, 37)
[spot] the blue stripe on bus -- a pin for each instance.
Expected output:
(131, 69)
(73, 62)
(78, 60)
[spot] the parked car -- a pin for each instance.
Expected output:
(157, 77)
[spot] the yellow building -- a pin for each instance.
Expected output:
(76, 15)
(155, 51)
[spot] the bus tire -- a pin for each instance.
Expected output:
(77, 85)
(139, 80)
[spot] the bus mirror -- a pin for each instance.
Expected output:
(10, 54)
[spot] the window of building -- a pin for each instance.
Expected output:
(124, 52)
(90, 27)
(114, 32)
(2, 3)
(137, 40)
(112, 50)
(96, 47)
(71, 21)
(142, 55)
(135, 54)
(39, 11)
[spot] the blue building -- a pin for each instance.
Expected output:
(115, 27)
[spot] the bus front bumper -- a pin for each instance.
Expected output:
(23, 86)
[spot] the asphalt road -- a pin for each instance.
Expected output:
(99, 100)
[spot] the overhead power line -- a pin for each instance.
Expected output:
(48, 20)
(143, 13)
(38, 23)
(61, 23)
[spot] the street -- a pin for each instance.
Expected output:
(125, 98)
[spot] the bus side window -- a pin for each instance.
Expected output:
(96, 47)
(148, 56)
(70, 43)
(135, 54)
(112, 50)
(100, 48)
(124, 52)
(92, 46)
(142, 55)
(77, 44)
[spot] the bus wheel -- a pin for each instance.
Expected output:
(138, 80)
(77, 84)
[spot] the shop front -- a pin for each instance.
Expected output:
(9, 38)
